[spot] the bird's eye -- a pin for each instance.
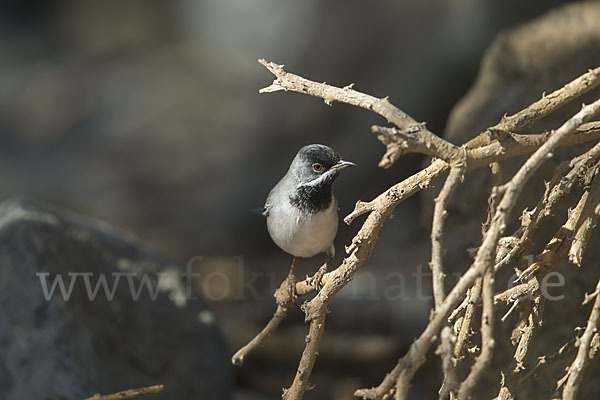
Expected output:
(317, 167)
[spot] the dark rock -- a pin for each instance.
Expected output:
(68, 347)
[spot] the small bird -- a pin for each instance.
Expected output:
(301, 210)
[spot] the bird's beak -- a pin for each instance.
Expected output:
(343, 164)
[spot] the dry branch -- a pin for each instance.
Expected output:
(545, 361)
(544, 106)
(309, 355)
(238, 358)
(407, 366)
(556, 249)
(504, 148)
(474, 294)
(290, 82)
(128, 394)
(523, 334)
(284, 300)
(437, 231)
(496, 144)
(556, 190)
(445, 350)
(589, 219)
(578, 367)
(464, 332)
(399, 142)
(487, 337)
(456, 158)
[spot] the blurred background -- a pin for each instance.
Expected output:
(145, 114)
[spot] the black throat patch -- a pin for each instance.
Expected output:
(312, 198)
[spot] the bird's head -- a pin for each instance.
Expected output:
(317, 165)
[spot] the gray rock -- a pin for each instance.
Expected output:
(59, 346)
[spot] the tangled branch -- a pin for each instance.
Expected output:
(496, 144)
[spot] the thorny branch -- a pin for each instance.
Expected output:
(578, 367)
(284, 300)
(487, 336)
(531, 310)
(496, 144)
(407, 366)
(503, 148)
(455, 177)
(463, 325)
(556, 190)
(589, 219)
(290, 82)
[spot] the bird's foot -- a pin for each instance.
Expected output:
(317, 278)
(291, 287)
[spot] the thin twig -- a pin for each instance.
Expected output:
(284, 300)
(504, 148)
(589, 219)
(494, 198)
(531, 322)
(530, 220)
(287, 81)
(549, 258)
(511, 309)
(437, 252)
(465, 327)
(545, 361)
(238, 358)
(581, 360)
(556, 190)
(531, 311)
(437, 230)
(589, 297)
(476, 291)
(487, 337)
(290, 82)
(128, 394)
(309, 355)
(399, 142)
(450, 382)
(459, 310)
(559, 245)
(546, 105)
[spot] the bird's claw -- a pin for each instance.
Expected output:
(318, 277)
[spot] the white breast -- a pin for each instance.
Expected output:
(303, 236)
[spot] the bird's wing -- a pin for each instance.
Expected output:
(277, 193)
(266, 208)
(260, 211)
